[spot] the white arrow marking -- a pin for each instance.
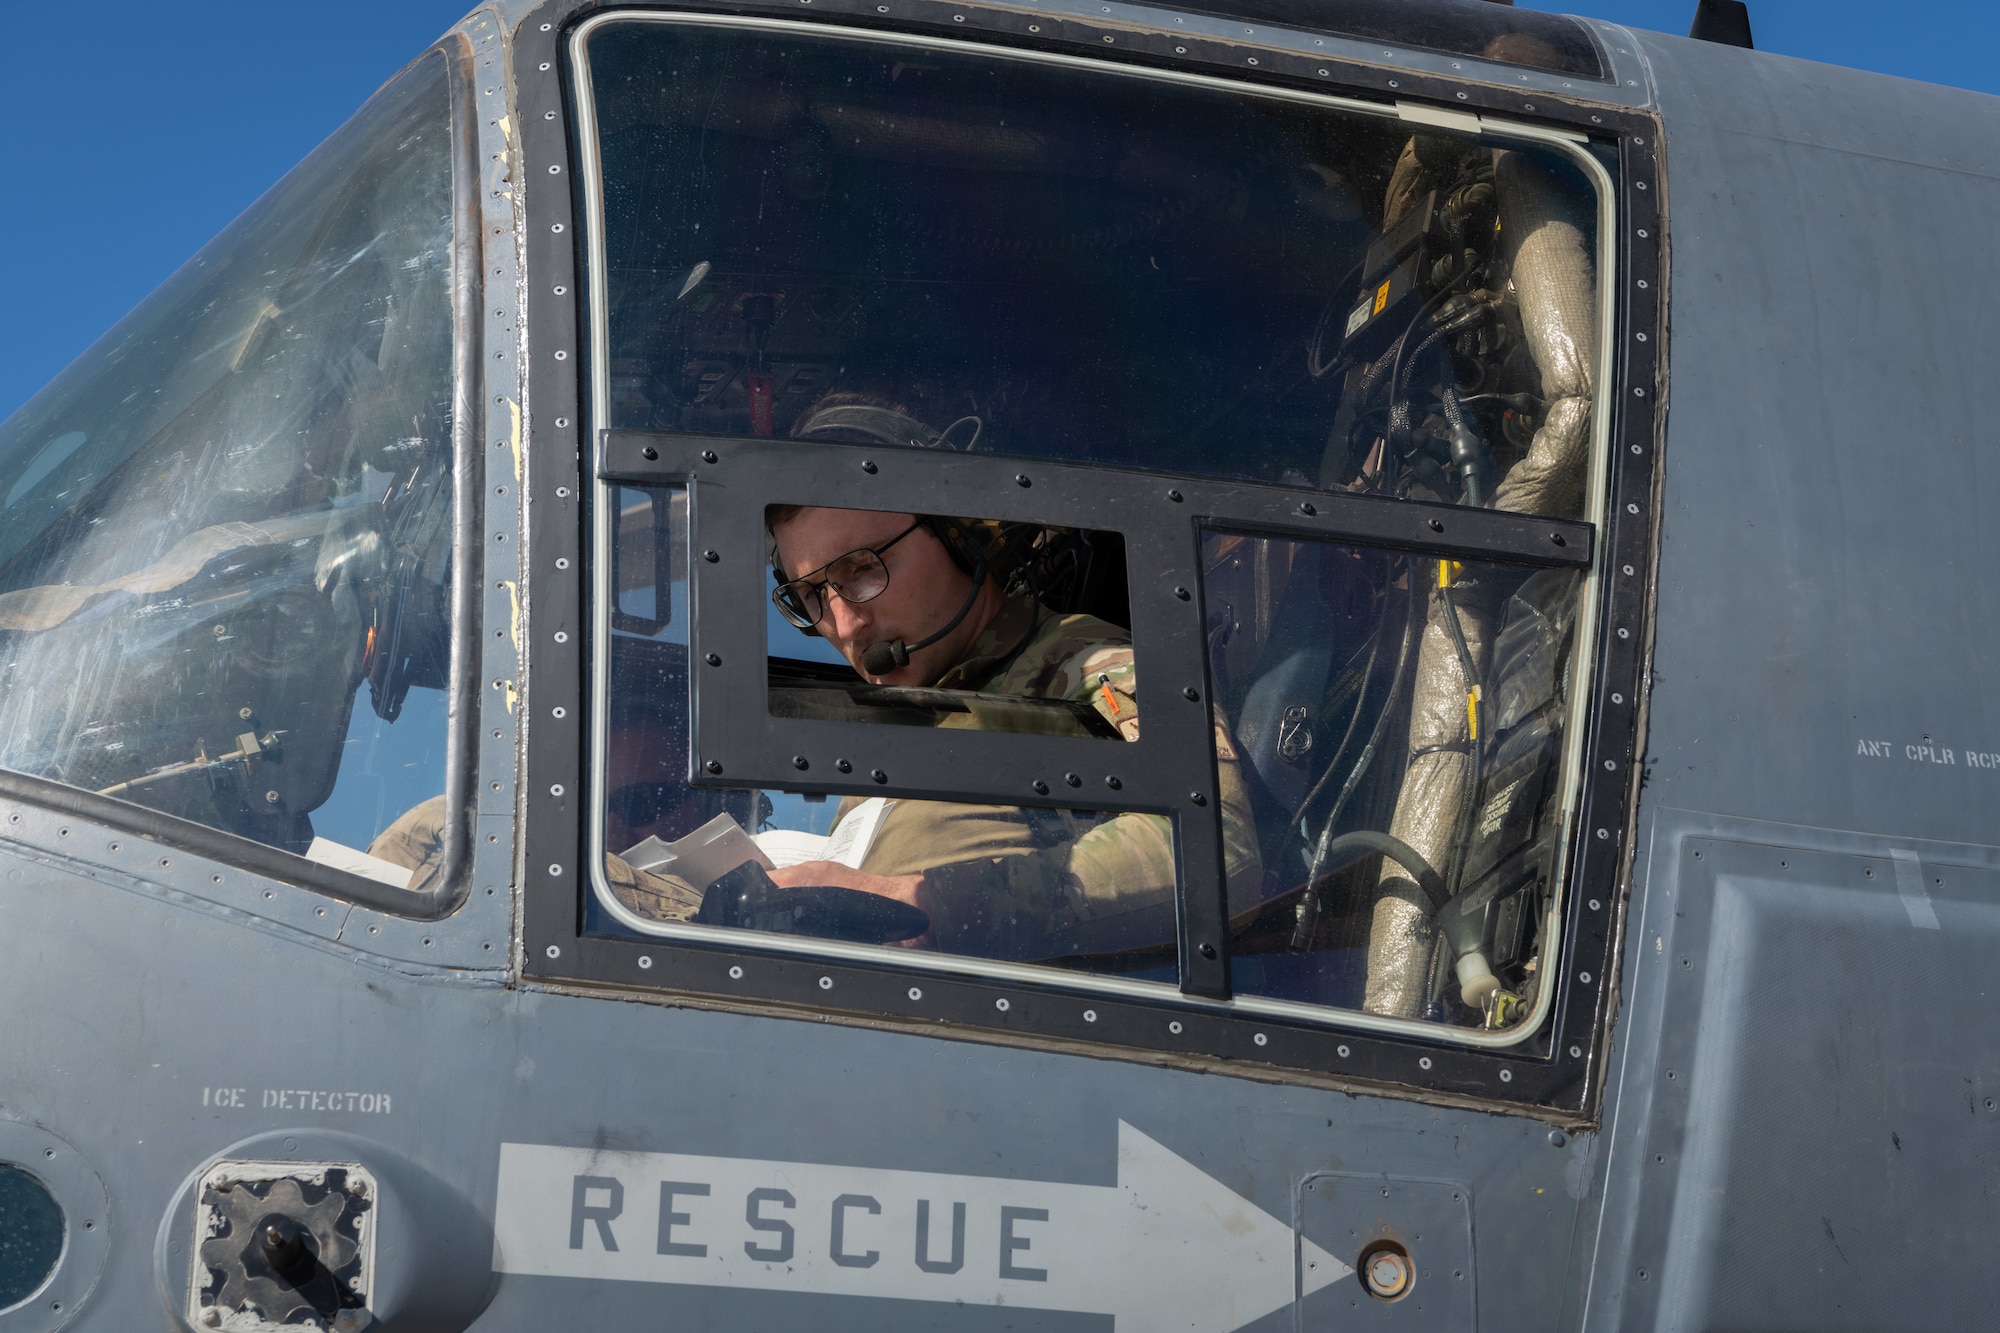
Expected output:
(1167, 1247)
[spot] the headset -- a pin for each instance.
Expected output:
(972, 544)
(979, 547)
(1023, 554)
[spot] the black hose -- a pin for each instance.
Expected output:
(1399, 410)
(1306, 917)
(1390, 363)
(1467, 452)
(1381, 721)
(1475, 772)
(1348, 848)
(1314, 366)
(1353, 723)
(1340, 752)
(1466, 317)
(1399, 407)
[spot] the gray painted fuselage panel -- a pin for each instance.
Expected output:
(190, 1008)
(1800, 1101)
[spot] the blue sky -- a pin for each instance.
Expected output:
(131, 131)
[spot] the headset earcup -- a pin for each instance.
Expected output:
(959, 544)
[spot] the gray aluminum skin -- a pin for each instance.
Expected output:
(1801, 1115)
(1799, 1125)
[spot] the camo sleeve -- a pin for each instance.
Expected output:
(415, 840)
(655, 897)
(1035, 906)
(1104, 679)
(1105, 884)
(1136, 851)
(1108, 886)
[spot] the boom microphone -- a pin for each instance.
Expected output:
(879, 659)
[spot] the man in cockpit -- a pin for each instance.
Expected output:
(886, 591)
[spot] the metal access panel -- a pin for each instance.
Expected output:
(1349, 1215)
(1812, 1095)
(280, 1245)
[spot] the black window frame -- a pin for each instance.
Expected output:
(1556, 1073)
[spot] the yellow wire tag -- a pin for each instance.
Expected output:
(1472, 712)
(1448, 572)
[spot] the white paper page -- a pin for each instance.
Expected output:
(703, 856)
(854, 835)
(791, 847)
(342, 857)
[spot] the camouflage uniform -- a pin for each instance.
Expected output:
(416, 840)
(1019, 882)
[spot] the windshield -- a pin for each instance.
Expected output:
(236, 509)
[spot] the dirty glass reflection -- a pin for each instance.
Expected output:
(1027, 260)
(1403, 726)
(235, 511)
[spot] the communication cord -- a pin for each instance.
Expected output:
(1475, 769)
(1307, 913)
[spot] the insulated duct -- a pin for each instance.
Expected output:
(1544, 228)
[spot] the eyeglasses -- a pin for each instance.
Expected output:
(858, 576)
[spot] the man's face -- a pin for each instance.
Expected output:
(925, 588)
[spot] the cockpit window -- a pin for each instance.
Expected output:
(1030, 260)
(230, 521)
(1402, 722)
(1311, 386)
